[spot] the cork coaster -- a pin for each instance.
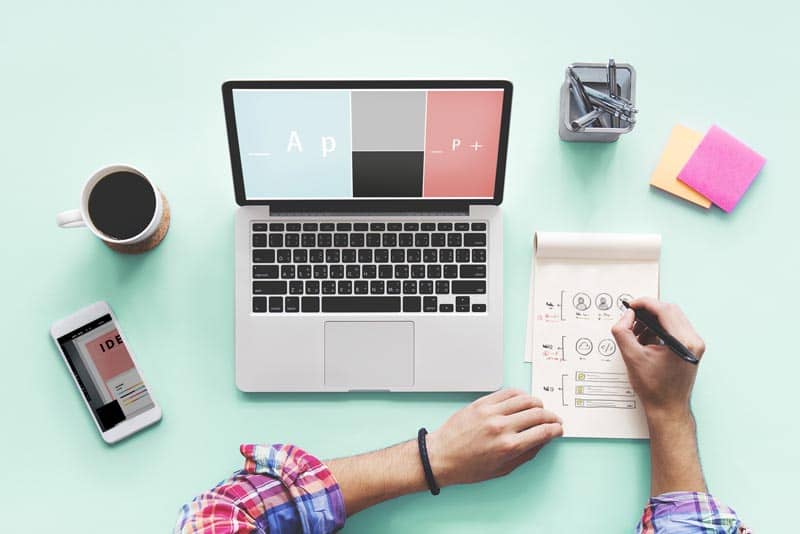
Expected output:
(153, 240)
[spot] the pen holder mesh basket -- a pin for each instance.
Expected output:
(595, 75)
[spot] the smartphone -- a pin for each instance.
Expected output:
(103, 367)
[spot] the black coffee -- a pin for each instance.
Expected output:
(122, 204)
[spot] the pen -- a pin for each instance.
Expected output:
(652, 323)
(575, 83)
(612, 86)
(581, 122)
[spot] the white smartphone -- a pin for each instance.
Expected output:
(103, 367)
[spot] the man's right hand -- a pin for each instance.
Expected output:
(662, 380)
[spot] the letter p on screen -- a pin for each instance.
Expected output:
(456, 143)
(328, 145)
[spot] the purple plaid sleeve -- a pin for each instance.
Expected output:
(281, 489)
(688, 513)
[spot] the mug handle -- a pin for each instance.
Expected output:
(70, 219)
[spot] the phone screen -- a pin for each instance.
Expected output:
(105, 372)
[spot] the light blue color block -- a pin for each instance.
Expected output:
(294, 144)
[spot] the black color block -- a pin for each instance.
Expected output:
(387, 174)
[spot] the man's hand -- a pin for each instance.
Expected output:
(490, 438)
(662, 380)
(664, 384)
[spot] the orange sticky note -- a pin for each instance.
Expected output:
(681, 145)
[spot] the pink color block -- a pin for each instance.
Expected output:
(722, 168)
(462, 137)
(109, 361)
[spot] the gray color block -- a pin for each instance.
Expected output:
(388, 120)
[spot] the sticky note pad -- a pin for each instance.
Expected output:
(681, 145)
(722, 168)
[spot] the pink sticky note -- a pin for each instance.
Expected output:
(722, 168)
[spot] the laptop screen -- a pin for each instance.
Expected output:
(368, 143)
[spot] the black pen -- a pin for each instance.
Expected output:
(652, 323)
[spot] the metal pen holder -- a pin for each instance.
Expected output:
(595, 76)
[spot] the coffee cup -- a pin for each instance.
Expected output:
(121, 205)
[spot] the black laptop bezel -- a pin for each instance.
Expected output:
(366, 203)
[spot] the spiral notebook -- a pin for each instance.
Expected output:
(578, 283)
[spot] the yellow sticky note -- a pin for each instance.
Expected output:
(680, 147)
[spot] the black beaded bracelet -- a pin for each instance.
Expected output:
(426, 463)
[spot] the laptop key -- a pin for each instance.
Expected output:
(265, 271)
(259, 304)
(259, 227)
(453, 240)
(398, 255)
(360, 304)
(474, 240)
(430, 255)
(293, 227)
(462, 255)
(332, 256)
(451, 271)
(269, 288)
(469, 288)
(304, 271)
(364, 255)
(276, 227)
(369, 271)
(343, 227)
(259, 240)
(401, 271)
(377, 287)
(292, 304)
(292, 240)
(309, 304)
(389, 240)
(360, 227)
(393, 287)
(340, 240)
(300, 256)
(434, 271)
(411, 227)
(413, 255)
(410, 287)
(462, 304)
(320, 271)
(421, 240)
(361, 287)
(381, 255)
(276, 304)
(353, 271)
(308, 240)
(344, 287)
(385, 271)
(312, 287)
(429, 304)
(417, 271)
(446, 308)
(427, 227)
(373, 240)
(446, 255)
(287, 272)
(377, 227)
(426, 287)
(349, 255)
(309, 227)
(461, 227)
(412, 304)
(442, 287)
(275, 240)
(356, 240)
(478, 226)
(479, 308)
(284, 255)
(328, 288)
(263, 256)
(316, 256)
(405, 240)
(336, 271)
(444, 227)
(295, 288)
(479, 255)
(438, 240)
(327, 227)
(324, 240)
(472, 271)
(394, 227)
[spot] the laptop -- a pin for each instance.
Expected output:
(369, 240)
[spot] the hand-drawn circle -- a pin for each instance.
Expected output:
(583, 346)
(607, 347)
(581, 301)
(604, 301)
(624, 297)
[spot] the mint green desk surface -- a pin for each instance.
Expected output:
(91, 83)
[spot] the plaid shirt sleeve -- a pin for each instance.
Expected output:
(281, 489)
(689, 513)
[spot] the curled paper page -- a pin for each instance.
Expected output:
(578, 284)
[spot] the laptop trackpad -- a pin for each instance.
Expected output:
(369, 355)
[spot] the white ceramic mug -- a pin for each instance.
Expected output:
(80, 217)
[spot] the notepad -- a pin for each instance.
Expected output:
(722, 168)
(681, 145)
(578, 283)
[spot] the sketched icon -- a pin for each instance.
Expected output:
(584, 346)
(607, 347)
(625, 297)
(604, 301)
(581, 301)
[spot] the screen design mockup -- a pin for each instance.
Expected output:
(97, 356)
(368, 143)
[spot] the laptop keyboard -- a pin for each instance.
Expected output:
(375, 267)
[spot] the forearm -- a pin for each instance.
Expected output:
(374, 477)
(674, 460)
